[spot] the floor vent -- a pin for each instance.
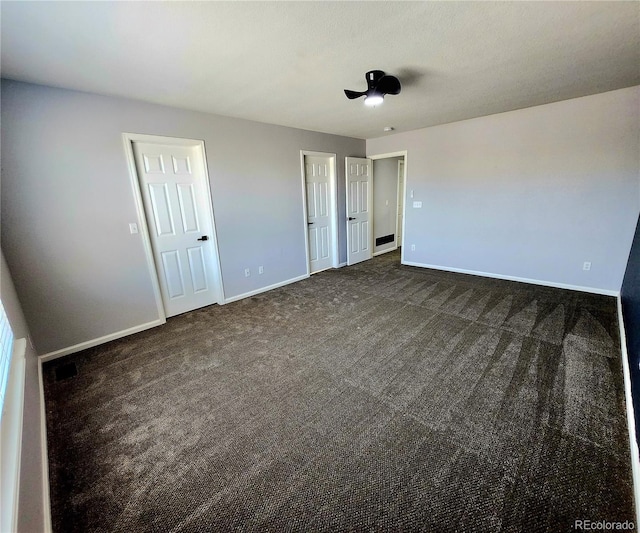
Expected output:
(66, 371)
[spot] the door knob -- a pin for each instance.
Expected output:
(309, 223)
(203, 238)
(352, 218)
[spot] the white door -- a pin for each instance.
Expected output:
(400, 201)
(317, 175)
(177, 204)
(359, 196)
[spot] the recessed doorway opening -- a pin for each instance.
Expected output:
(389, 177)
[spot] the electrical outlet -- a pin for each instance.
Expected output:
(417, 204)
(413, 247)
(586, 265)
(247, 272)
(260, 269)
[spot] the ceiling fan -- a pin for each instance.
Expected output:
(378, 84)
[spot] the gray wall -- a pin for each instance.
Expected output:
(67, 202)
(385, 200)
(31, 514)
(531, 193)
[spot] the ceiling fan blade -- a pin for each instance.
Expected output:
(354, 94)
(389, 85)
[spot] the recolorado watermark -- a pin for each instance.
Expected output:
(603, 525)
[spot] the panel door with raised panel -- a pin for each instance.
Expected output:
(359, 219)
(172, 183)
(318, 188)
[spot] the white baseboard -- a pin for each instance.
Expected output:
(46, 497)
(342, 265)
(264, 289)
(631, 420)
(385, 251)
(101, 340)
(592, 290)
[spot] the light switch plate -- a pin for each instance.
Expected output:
(133, 228)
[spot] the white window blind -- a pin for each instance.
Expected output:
(6, 350)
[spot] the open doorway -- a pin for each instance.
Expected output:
(389, 175)
(375, 190)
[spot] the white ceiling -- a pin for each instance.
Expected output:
(288, 62)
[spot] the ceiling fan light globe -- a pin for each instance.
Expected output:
(373, 100)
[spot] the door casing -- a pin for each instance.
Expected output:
(129, 139)
(400, 201)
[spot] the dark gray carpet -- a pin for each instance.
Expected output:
(377, 397)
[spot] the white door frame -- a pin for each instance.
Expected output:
(333, 205)
(401, 188)
(129, 139)
(402, 153)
